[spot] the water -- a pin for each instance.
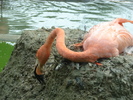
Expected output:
(18, 15)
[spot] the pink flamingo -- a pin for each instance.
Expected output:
(104, 40)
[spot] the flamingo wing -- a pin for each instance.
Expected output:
(108, 39)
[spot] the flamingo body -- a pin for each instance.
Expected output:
(108, 39)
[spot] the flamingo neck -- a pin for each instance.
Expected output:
(84, 56)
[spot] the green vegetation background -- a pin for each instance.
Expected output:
(5, 53)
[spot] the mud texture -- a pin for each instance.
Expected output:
(65, 80)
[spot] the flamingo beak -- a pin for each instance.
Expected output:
(40, 78)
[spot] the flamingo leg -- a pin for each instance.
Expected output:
(77, 45)
(99, 64)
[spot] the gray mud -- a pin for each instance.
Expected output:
(65, 80)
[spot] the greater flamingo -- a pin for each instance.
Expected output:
(104, 40)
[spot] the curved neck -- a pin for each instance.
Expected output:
(64, 51)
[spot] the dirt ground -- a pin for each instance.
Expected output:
(65, 80)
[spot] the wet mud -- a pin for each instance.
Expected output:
(65, 80)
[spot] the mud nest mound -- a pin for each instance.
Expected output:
(65, 80)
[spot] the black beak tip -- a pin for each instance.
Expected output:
(40, 78)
